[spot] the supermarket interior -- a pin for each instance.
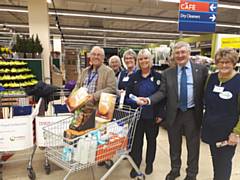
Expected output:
(61, 118)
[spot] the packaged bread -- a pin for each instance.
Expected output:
(106, 107)
(77, 99)
(70, 135)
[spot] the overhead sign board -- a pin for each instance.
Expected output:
(197, 15)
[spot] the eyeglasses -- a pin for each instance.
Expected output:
(224, 62)
(180, 52)
(96, 54)
(128, 57)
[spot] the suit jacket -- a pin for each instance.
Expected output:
(106, 81)
(169, 90)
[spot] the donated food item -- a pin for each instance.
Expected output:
(70, 135)
(106, 107)
(77, 99)
(83, 119)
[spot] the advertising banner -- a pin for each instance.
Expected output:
(16, 133)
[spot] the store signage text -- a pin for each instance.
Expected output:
(197, 15)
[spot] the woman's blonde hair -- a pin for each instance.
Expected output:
(145, 53)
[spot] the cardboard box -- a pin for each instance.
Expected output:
(77, 99)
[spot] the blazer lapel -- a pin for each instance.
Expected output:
(175, 79)
(195, 75)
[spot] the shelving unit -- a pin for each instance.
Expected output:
(14, 76)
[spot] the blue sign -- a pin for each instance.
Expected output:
(197, 15)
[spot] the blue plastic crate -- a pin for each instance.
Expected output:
(21, 110)
(60, 108)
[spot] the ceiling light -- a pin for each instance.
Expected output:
(80, 40)
(123, 31)
(228, 6)
(116, 38)
(49, 1)
(228, 25)
(15, 25)
(112, 16)
(7, 38)
(13, 10)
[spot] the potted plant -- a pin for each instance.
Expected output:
(37, 49)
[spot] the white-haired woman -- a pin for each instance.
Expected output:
(129, 58)
(144, 83)
(115, 63)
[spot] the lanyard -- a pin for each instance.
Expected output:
(90, 78)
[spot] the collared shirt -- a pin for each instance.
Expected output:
(190, 101)
(90, 81)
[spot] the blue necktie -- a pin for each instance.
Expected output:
(183, 90)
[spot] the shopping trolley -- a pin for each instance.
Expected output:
(17, 131)
(109, 140)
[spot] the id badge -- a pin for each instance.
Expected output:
(218, 89)
(125, 79)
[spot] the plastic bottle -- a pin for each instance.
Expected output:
(84, 148)
(77, 150)
(92, 150)
(67, 153)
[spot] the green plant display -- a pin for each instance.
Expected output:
(28, 45)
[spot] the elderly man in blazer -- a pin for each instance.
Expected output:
(97, 77)
(183, 86)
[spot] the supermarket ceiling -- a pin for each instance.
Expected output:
(113, 22)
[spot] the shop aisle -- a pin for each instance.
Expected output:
(17, 170)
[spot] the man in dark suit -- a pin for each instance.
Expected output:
(183, 86)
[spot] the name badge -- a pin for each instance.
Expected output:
(225, 95)
(218, 89)
(125, 79)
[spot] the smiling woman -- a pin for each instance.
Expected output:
(221, 122)
(144, 83)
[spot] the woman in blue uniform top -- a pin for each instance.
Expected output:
(222, 112)
(130, 58)
(144, 83)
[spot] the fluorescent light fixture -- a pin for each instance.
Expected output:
(122, 31)
(14, 10)
(112, 16)
(228, 25)
(15, 25)
(171, 1)
(125, 40)
(49, 1)
(228, 6)
(80, 40)
(117, 38)
(6, 38)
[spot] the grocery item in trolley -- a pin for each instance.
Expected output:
(71, 135)
(77, 99)
(106, 107)
(83, 119)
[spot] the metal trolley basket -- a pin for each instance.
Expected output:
(110, 140)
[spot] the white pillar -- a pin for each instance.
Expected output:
(39, 24)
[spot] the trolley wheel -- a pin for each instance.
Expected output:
(47, 168)
(31, 173)
(142, 177)
(108, 164)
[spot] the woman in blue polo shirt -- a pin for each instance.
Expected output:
(144, 83)
(130, 58)
(221, 118)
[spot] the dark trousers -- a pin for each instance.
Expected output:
(184, 124)
(222, 161)
(151, 129)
